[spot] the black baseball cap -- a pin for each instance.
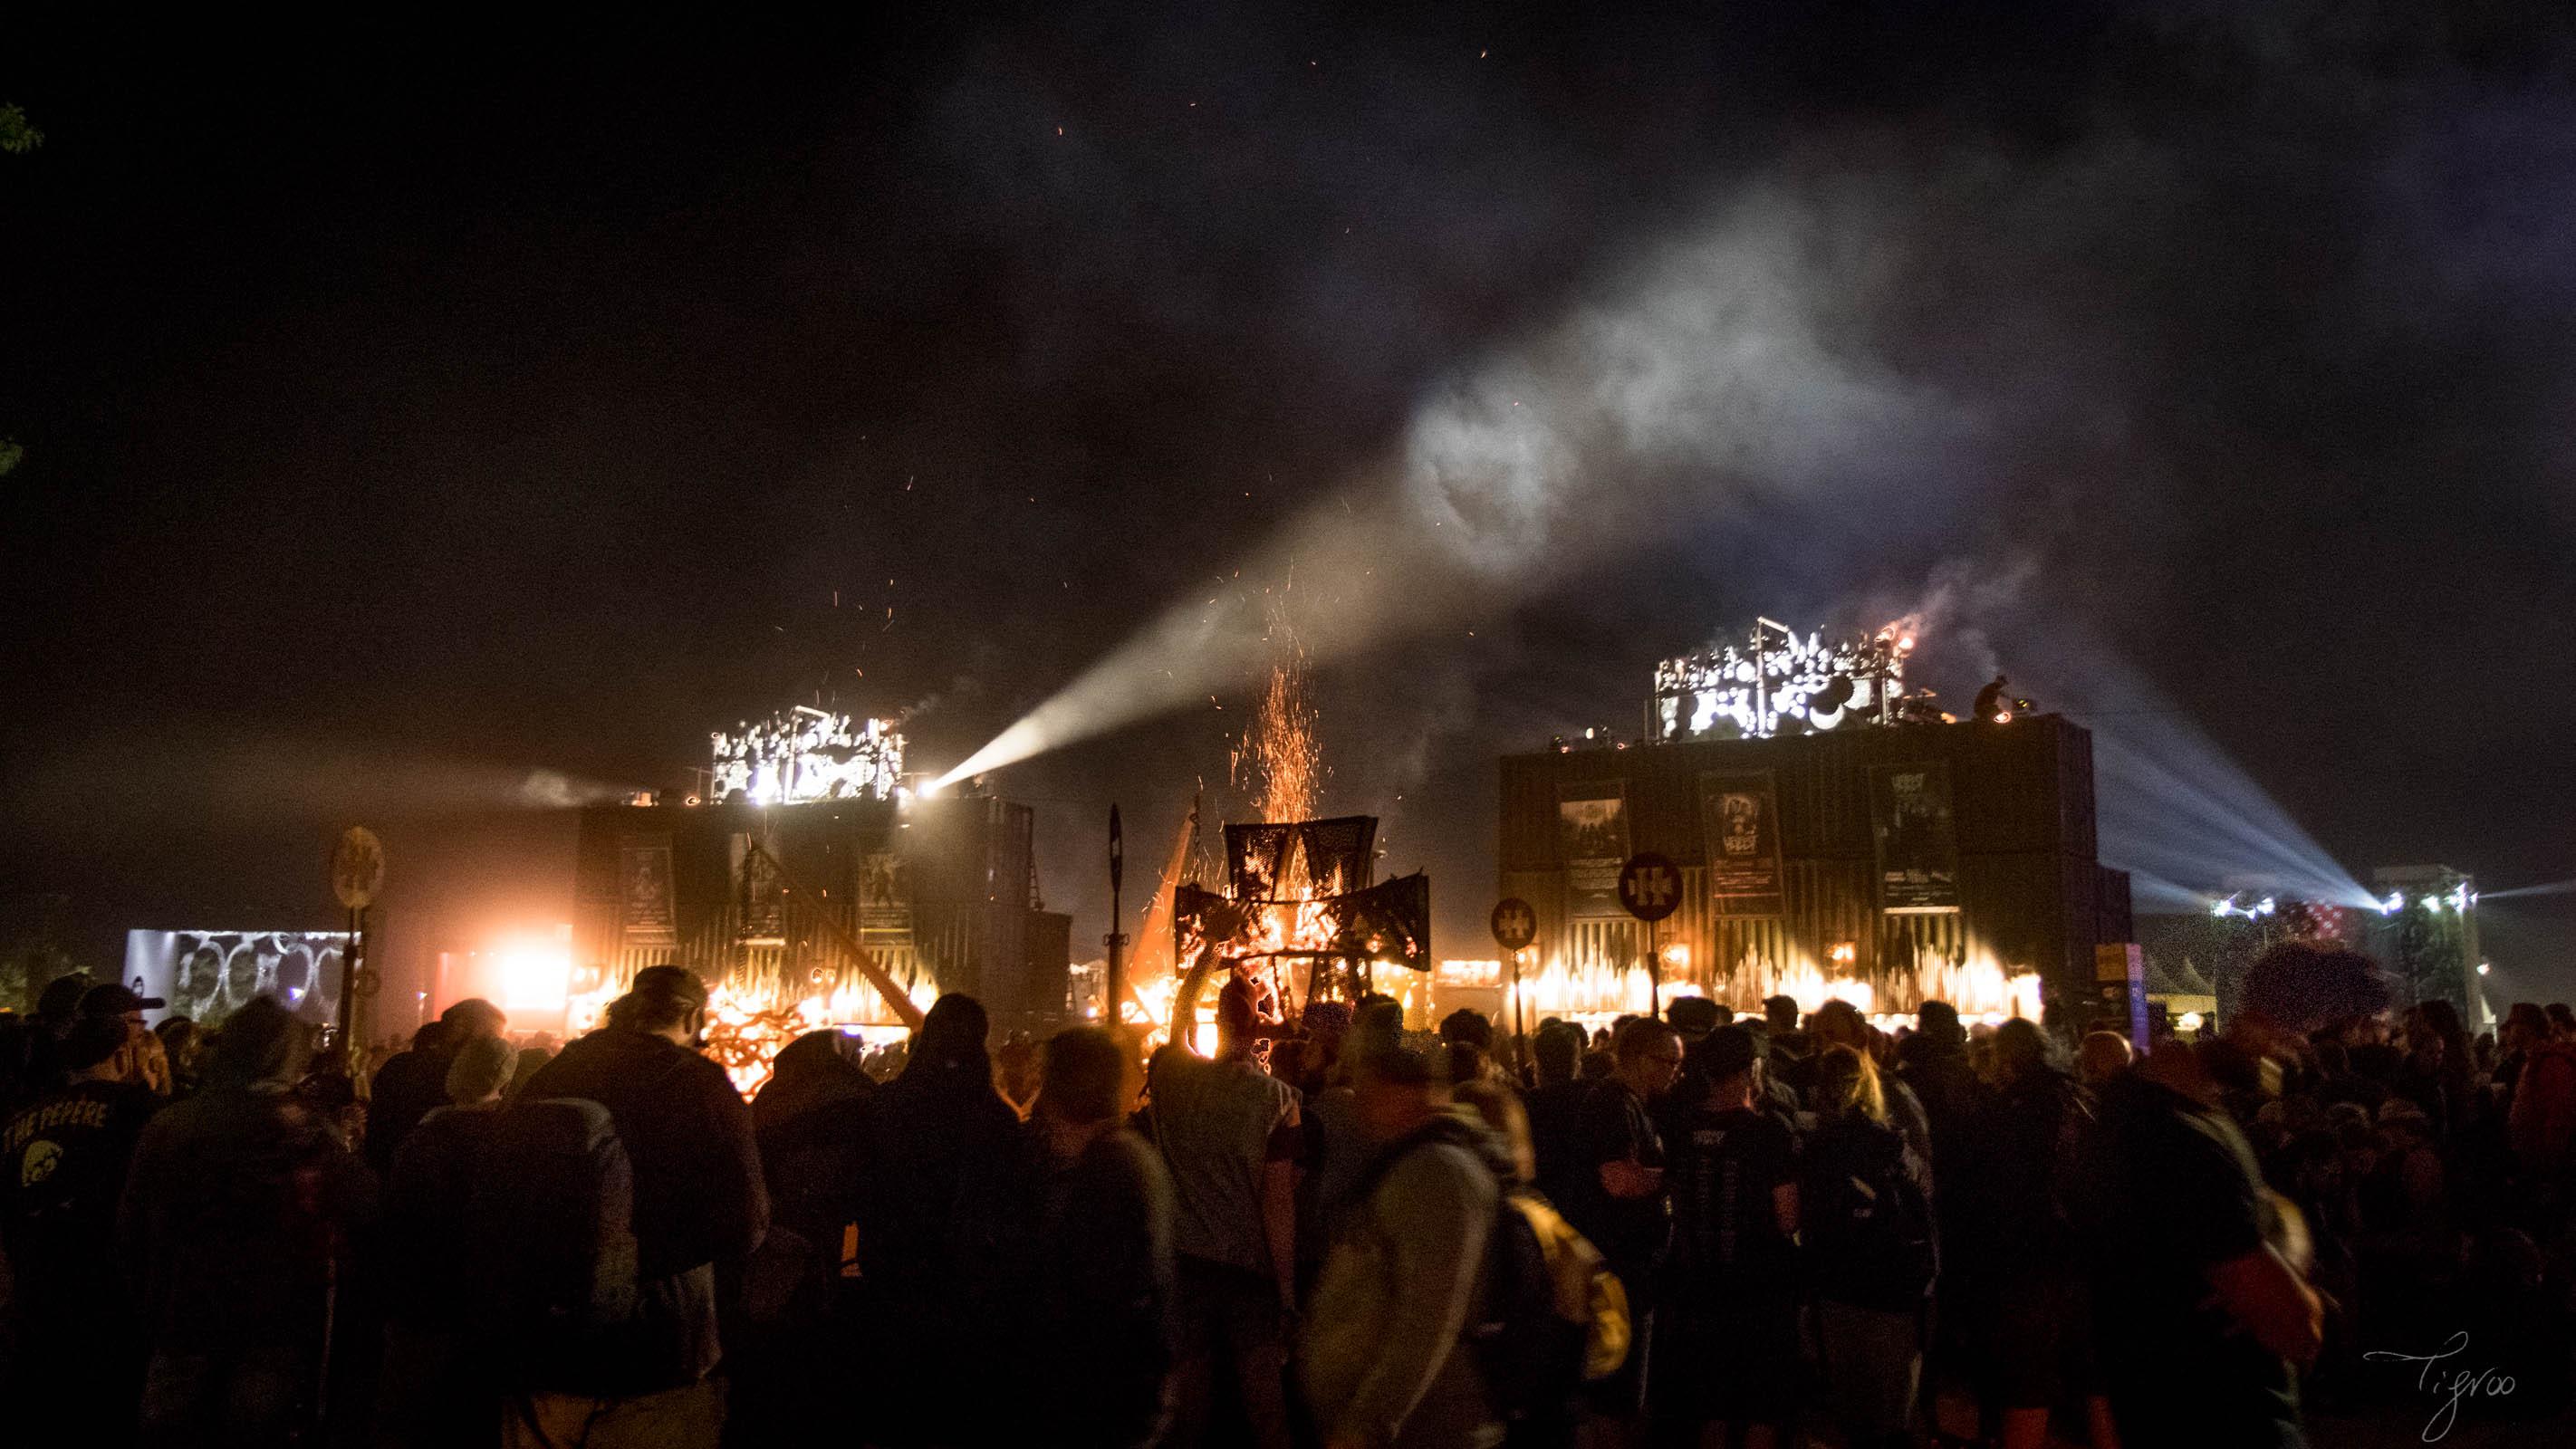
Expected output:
(115, 999)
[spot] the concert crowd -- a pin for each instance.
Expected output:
(1686, 1230)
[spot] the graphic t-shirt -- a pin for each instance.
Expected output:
(1630, 1232)
(62, 1169)
(1726, 1229)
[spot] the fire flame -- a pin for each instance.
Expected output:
(1281, 759)
(1979, 987)
(1279, 763)
(746, 1027)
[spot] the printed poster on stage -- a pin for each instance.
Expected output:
(885, 905)
(1918, 856)
(1592, 841)
(764, 895)
(1739, 816)
(644, 888)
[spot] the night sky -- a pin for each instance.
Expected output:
(429, 418)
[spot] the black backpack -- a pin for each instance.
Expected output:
(551, 1229)
(1869, 1219)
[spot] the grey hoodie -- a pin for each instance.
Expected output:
(1387, 1355)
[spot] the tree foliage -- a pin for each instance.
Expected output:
(17, 137)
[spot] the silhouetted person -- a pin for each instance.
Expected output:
(1992, 699)
(56, 1009)
(1618, 1201)
(940, 1196)
(2198, 1277)
(1230, 1134)
(786, 1362)
(2103, 1058)
(1864, 1210)
(2029, 1309)
(232, 1226)
(698, 1202)
(1727, 1332)
(434, 1390)
(1790, 1061)
(411, 1085)
(1107, 1279)
(1555, 1108)
(63, 1163)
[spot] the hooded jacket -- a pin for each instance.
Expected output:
(1388, 1354)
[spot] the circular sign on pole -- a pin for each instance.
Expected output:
(1515, 925)
(1650, 887)
(357, 868)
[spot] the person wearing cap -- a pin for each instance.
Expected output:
(63, 1163)
(1726, 1338)
(118, 1000)
(699, 1202)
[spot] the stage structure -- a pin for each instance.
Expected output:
(2423, 934)
(1836, 836)
(1299, 910)
(813, 888)
(2427, 937)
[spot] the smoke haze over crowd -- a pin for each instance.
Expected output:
(2207, 371)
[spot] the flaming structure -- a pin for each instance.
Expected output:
(1298, 890)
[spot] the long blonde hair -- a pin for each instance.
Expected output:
(1847, 1081)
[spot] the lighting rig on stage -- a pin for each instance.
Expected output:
(1777, 683)
(805, 754)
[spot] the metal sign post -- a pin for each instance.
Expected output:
(357, 874)
(1514, 926)
(1117, 938)
(1650, 888)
